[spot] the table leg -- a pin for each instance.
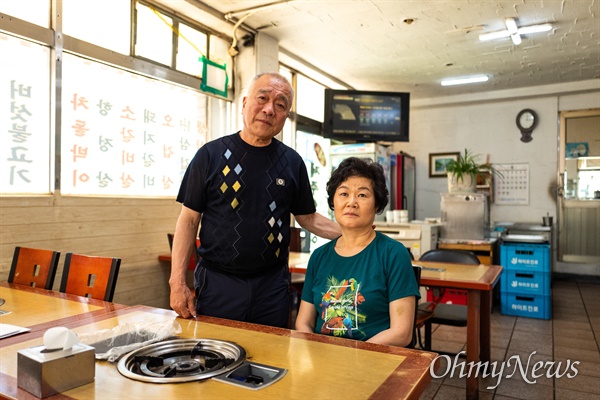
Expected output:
(473, 321)
(485, 327)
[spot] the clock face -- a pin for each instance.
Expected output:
(527, 119)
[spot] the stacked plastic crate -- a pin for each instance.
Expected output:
(525, 283)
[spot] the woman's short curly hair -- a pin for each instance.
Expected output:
(362, 167)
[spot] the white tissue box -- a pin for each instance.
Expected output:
(44, 373)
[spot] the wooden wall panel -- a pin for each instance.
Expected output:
(133, 229)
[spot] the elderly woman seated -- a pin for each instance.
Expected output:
(361, 285)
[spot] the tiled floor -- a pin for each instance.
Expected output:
(573, 334)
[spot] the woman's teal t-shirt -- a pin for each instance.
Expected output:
(352, 294)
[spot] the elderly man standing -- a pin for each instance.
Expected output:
(241, 189)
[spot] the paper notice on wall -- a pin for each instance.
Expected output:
(512, 188)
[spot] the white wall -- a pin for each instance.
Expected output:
(485, 124)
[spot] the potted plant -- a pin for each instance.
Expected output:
(463, 173)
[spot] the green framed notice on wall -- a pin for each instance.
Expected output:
(214, 77)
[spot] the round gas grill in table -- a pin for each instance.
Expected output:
(181, 360)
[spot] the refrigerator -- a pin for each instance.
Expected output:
(403, 182)
(376, 152)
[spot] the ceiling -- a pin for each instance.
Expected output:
(402, 45)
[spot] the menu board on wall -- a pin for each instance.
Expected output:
(513, 187)
(24, 117)
(123, 134)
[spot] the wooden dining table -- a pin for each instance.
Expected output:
(317, 365)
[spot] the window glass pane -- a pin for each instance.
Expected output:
(113, 36)
(34, 11)
(310, 98)
(286, 72)
(219, 53)
(24, 117)
(191, 45)
(124, 134)
(154, 35)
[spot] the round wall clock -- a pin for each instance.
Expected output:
(527, 120)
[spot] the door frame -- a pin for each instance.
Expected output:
(560, 180)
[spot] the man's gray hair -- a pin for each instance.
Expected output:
(277, 76)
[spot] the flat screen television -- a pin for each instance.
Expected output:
(366, 116)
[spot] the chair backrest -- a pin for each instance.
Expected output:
(90, 276)
(34, 267)
(451, 256)
(413, 341)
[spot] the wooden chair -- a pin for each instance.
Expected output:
(34, 267)
(445, 314)
(90, 276)
(421, 316)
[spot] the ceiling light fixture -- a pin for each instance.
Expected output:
(514, 32)
(462, 81)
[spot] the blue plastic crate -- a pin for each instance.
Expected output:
(525, 282)
(525, 257)
(526, 305)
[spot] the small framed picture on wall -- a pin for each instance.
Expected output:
(437, 163)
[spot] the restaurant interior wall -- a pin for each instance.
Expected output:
(488, 127)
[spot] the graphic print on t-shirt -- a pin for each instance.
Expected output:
(339, 307)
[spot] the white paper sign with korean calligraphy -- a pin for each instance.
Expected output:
(25, 145)
(124, 134)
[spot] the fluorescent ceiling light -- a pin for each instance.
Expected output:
(462, 81)
(534, 29)
(511, 25)
(514, 32)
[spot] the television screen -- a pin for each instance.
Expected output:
(366, 116)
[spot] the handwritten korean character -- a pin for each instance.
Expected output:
(20, 173)
(167, 182)
(149, 117)
(15, 156)
(103, 179)
(127, 157)
(148, 160)
(126, 180)
(18, 111)
(185, 124)
(79, 128)
(183, 163)
(21, 90)
(168, 119)
(78, 152)
(105, 143)
(184, 144)
(127, 113)
(167, 151)
(148, 180)
(82, 177)
(19, 133)
(104, 107)
(127, 135)
(148, 137)
(79, 102)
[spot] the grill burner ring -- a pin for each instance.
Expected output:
(181, 360)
